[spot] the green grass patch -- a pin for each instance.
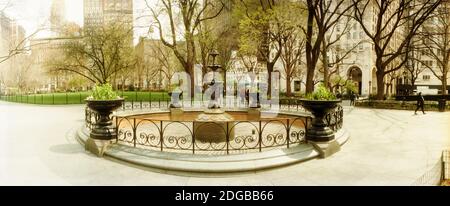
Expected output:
(79, 97)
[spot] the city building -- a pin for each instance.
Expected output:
(98, 13)
(57, 16)
(12, 43)
(429, 53)
(359, 62)
(6, 34)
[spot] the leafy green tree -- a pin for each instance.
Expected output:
(260, 31)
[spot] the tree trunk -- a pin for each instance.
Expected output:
(224, 83)
(380, 85)
(325, 65)
(270, 67)
(444, 76)
(444, 84)
(387, 89)
(310, 59)
(288, 86)
(190, 71)
(190, 50)
(310, 80)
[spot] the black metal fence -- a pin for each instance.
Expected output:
(47, 99)
(292, 105)
(239, 136)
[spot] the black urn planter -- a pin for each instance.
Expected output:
(103, 128)
(319, 131)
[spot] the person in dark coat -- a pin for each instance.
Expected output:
(352, 99)
(420, 103)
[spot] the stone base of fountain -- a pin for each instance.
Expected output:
(212, 126)
(176, 111)
(254, 113)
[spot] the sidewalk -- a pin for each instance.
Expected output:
(386, 147)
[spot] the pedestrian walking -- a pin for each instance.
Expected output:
(352, 99)
(420, 103)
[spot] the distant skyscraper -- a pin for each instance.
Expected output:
(57, 15)
(98, 13)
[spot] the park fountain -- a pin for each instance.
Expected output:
(146, 136)
(210, 124)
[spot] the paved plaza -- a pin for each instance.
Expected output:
(386, 147)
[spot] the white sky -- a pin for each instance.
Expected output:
(33, 13)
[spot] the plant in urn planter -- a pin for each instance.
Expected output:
(104, 101)
(320, 103)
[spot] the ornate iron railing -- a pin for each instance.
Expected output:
(182, 136)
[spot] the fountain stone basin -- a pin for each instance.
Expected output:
(214, 125)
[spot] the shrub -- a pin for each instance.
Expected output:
(321, 93)
(104, 92)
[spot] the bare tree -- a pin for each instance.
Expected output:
(323, 15)
(192, 14)
(435, 45)
(22, 73)
(331, 43)
(291, 56)
(163, 62)
(99, 56)
(390, 26)
(391, 77)
(20, 48)
(414, 65)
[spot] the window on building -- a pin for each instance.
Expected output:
(426, 77)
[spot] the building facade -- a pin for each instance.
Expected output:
(57, 16)
(98, 13)
(431, 55)
(356, 54)
(12, 43)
